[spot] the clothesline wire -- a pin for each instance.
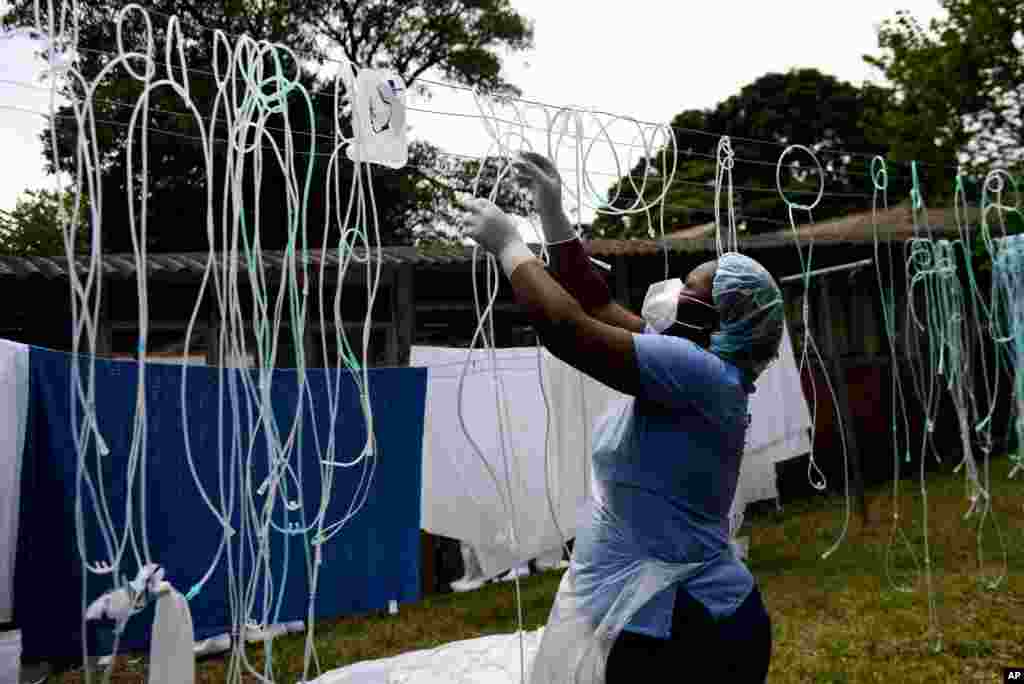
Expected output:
(676, 207)
(429, 171)
(681, 129)
(686, 209)
(851, 170)
(681, 208)
(190, 117)
(455, 86)
(707, 186)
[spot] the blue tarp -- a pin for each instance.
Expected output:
(373, 560)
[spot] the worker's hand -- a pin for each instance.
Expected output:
(543, 179)
(496, 232)
(492, 228)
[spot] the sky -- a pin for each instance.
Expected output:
(647, 59)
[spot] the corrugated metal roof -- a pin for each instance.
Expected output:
(699, 231)
(194, 263)
(857, 228)
(895, 223)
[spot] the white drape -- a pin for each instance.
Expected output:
(460, 498)
(779, 428)
(14, 381)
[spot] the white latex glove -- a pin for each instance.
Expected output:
(120, 604)
(541, 176)
(497, 233)
(149, 578)
(115, 605)
(489, 226)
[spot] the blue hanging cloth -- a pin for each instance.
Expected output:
(374, 559)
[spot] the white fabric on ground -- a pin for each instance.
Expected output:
(253, 634)
(460, 499)
(13, 422)
(493, 659)
(463, 585)
(212, 646)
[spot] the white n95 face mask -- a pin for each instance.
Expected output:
(662, 303)
(661, 307)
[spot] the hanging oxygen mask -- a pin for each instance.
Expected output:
(665, 305)
(379, 119)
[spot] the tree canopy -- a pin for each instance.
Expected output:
(462, 40)
(802, 106)
(957, 88)
(34, 227)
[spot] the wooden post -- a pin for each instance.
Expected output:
(311, 346)
(391, 353)
(428, 573)
(900, 321)
(104, 335)
(869, 330)
(213, 351)
(838, 377)
(839, 293)
(404, 312)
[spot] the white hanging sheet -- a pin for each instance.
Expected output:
(779, 428)
(14, 379)
(460, 498)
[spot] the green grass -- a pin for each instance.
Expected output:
(835, 621)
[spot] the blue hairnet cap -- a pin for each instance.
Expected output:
(751, 314)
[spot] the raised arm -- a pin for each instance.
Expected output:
(604, 352)
(569, 263)
(613, 313)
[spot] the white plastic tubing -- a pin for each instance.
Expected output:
(254, 81)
